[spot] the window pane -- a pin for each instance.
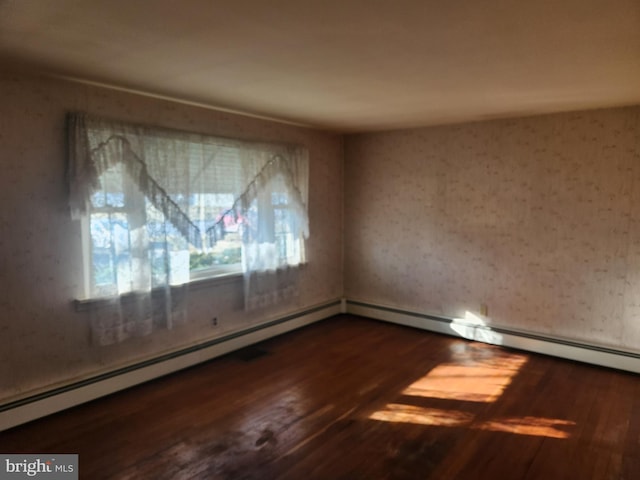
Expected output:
(110, 245)
(101, 230)
(214, 215)
(111, 194)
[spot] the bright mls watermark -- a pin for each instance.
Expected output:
(49, 466)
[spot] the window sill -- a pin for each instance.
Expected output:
(195, 284)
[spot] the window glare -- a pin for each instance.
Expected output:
(110, 239)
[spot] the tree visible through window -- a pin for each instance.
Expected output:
(165, 207)
(171, 258)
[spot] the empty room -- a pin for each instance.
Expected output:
(327, 240)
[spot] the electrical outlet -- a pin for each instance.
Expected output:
(484, 310)
(214, 321)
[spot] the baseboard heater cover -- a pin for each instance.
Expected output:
(51, 401)
(532, 342)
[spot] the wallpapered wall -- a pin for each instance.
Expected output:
(537, 218)
(43, 340)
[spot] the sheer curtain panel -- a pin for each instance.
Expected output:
(160, 208)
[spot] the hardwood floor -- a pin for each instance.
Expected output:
(351, 398)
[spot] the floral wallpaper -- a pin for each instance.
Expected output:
(533, 221)
(44, 341)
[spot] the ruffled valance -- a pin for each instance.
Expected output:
(146, 153)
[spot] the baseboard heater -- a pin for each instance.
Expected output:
(532, 342)
(57, 399)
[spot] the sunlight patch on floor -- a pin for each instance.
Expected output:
(478, 380)
(398, 413)
(541, 427)
(455, 382)
(535, 426)
(478, 375)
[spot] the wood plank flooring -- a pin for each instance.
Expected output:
(350, 398)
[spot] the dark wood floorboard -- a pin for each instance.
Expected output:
(350, 398)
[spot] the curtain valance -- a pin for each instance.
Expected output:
(167, 165)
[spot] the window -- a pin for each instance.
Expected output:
(172, 259)
(161, 207)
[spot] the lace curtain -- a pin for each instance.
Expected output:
(155, 204)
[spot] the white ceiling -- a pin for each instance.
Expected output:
(347, 65)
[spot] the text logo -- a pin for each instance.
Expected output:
(43, 466)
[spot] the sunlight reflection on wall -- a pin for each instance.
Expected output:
(473, 327)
